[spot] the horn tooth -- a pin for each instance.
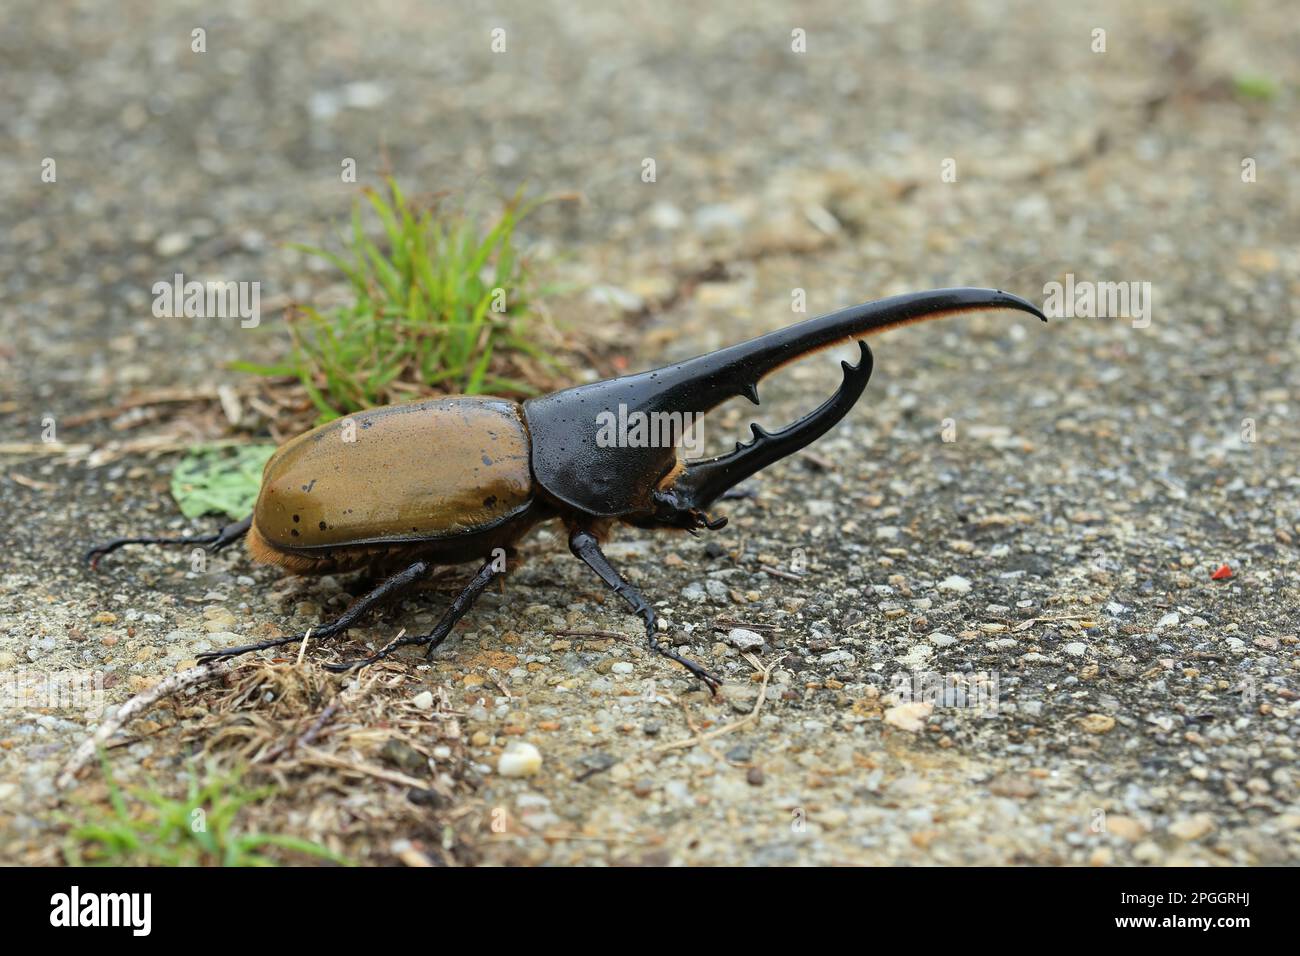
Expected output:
(750, 391)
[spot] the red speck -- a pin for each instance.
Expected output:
(1222, 574)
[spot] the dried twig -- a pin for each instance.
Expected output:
(604, 635)
(745, 721)
(322, 759)
(1030, 622)
(134, 707)
(308, 736)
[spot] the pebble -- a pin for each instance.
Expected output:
(717, 590)
(1147, 852)
(519, 759)
(744, 640)
(1075, 649)
(1126, 828)
(172, 244)
(403, 756)
(956, 584)
(1193, 827)
(218, 619)
(423, 700)
(909, 716)
(833, 818)
(1097, 724)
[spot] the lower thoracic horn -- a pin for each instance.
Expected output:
(703, 481)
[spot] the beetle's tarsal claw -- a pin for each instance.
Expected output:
(704, 481)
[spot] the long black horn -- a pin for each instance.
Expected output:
(573, 464)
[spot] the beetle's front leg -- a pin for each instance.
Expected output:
(586, 546)
(225, 536)
(387, 588)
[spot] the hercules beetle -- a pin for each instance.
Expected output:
(450, 480)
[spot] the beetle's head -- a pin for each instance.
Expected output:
(609, 449)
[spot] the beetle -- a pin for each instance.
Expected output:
(456, 479)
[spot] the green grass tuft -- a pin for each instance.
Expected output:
(1254, 86)
(432, 309)
(144, 827)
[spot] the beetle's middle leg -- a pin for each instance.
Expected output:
(455, 611)
(586, 546)
(387, 588)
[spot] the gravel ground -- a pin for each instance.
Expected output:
(1034, 513)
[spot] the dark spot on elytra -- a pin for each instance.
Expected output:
(308, 487)
(294, 532)
(490, 501)
(323, 526)
(487, 461)
(295, 520)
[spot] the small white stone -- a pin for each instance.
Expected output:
(172, 244)
(423, 700)
(364, 95)
(1075, 649)
(940, 639)
(955, 583)
(1169, 620)
(744, 640)
(909, 716)
(1193, 827)
(666, 216)
(519, 759)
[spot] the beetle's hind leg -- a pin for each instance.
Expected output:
(223, 538)
(450, 617)
(387, 588)
(586, 546)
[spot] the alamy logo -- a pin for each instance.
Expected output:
(103, 909)
(1098, 300)
(637, 429)
(208, 300)
(77, 690)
